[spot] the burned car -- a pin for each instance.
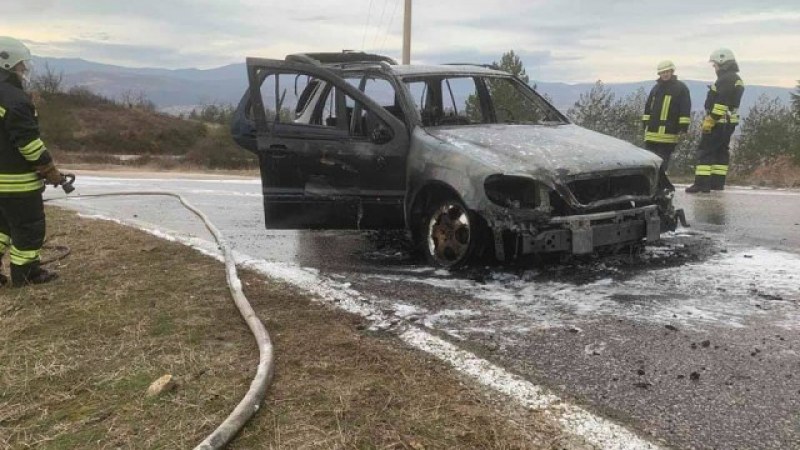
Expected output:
(467, 158)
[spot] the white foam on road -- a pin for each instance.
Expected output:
(726, 290)
(577, 421)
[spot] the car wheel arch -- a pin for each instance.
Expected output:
(427, 194)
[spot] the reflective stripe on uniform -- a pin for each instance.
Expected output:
(719, 169)
(702, 170)
(719, 109)
(22, 257)
(714, 87)
(664, 138)
(5, 241)
(729, 118)
(665, 107)
(646, 117)
(33, 151)
(2, 112)
(21, 182)
(739, 83)
(685, 120)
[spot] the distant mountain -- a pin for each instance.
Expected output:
(166, 88)
(176, 90)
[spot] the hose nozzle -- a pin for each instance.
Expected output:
(67, 180)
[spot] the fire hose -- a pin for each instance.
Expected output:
(251, 402)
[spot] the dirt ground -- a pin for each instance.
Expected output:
(79, 354)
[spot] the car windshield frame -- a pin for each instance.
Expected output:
(552, 116)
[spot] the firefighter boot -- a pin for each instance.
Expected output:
(717, 182)
(30, 274)
(701, 184)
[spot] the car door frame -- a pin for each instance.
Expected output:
(282, 206)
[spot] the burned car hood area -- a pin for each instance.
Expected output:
(554, 154)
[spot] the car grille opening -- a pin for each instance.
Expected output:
(609, 187)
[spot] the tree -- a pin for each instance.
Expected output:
(512, 63)
(796, 102)
(627, 113)
(601, 111)
(683, 159)
(48, 82)
(509, 106)
(136, 100)
(593, 109)
(768, 132)
(213, 113)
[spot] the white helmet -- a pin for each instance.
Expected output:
(12, 52)
(665, 65)
(721, 56)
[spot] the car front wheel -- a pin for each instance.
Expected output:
(450, 234)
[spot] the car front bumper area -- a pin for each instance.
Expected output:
(582, 234)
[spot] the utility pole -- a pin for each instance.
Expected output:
(407, 34)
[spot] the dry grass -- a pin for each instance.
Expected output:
(78, 355)
(782, 172)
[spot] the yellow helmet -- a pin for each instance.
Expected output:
(665, 65)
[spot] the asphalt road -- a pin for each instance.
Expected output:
(693, 343)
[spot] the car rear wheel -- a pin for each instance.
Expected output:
(450, 234)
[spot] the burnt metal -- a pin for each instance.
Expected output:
(540, 186)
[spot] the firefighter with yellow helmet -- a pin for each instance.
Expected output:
(667, 114)
(722, 117)
(25, 166)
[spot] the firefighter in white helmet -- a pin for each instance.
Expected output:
(667, 114)
(25, 166)
(722, 117)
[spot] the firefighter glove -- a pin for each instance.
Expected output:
(50, 174)
(708, 124)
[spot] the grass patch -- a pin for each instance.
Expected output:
(79, 354)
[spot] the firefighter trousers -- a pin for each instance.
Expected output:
(713, 155)
(663, 151)
(22, 229)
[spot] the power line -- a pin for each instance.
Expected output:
(380, 24)
(369, 13)
(391, 21)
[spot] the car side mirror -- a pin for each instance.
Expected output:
(381, 135)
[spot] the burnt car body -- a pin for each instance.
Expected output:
(466, 157)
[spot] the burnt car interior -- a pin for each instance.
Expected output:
(469, 100)
(331, 140)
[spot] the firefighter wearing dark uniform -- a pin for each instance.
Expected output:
(667, 113)
(722, 117)
(25, 165)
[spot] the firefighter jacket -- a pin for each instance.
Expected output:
(725, 95)
(667, 111)
(21, 148)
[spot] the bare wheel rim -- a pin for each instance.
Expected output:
(449, 234)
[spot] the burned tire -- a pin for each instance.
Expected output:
(450, 235)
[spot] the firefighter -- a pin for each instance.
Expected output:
(722, 104)
(667, 114)
(25, 166)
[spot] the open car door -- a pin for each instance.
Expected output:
(330, 156)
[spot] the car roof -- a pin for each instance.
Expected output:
(405, 71)
(355, 61)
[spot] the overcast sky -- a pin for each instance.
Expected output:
(565, 40)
